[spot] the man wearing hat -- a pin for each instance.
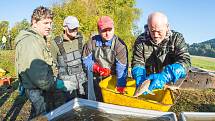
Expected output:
(67, 49)
(104, 55)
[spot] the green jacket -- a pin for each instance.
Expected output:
(154, 57)
(33, 61)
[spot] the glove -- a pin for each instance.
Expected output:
(60, 84)
(170, 73)
(157, 81)
(120, 90)
(139, 74)
(101, 71)
(139, 80)
(21, 89)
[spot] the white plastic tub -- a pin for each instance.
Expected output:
(197, 116)
(110, 109)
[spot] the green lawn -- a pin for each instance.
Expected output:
(7, 62)
(203, 62)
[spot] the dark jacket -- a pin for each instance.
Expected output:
(154, 57)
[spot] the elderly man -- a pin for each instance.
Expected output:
(34, 63)
(106, 54)
(160, 54)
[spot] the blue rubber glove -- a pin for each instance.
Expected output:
(157, 81)
(122, 73)
(60, 84)
(139, 74)
(21, 89)
(171, 72)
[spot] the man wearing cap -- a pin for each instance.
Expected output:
(105, 54)
(68, 48)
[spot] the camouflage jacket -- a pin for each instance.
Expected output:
(154, 57)
(33, 61)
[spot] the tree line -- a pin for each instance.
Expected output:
(206, 48)
(123, 12)
(11, 34)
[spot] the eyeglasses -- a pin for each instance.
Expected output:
(72, 30)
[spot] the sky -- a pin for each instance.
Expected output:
(17, 10)
(195, 19)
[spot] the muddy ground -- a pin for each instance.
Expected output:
(195, 101)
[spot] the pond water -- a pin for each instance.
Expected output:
(91, 114)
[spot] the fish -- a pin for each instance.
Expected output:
(144, 87)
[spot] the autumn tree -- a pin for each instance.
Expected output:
(4, 27)
(123, 13)
(24, 24)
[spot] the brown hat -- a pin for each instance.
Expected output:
(105, 22)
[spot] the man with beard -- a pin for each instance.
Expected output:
(67, 49)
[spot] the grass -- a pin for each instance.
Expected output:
(203, 62)
(12, 106)
(7, 62)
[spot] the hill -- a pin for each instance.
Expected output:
(206, 48)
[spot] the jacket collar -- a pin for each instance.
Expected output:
(100, 42)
